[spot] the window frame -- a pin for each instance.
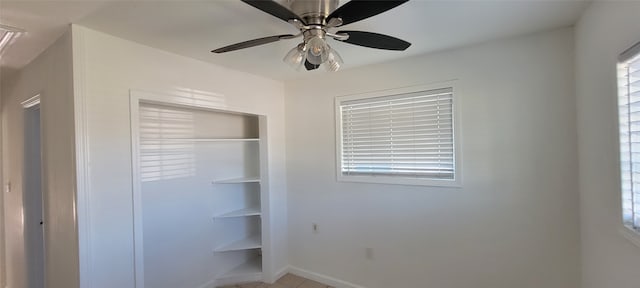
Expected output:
(456, 182)
(630, 232)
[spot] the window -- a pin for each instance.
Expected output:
(398, 138)
(629, 116)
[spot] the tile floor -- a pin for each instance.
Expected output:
(287, 281)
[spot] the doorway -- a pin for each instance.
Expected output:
(32, 195)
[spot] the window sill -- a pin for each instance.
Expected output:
(631, 235)
(400, 181)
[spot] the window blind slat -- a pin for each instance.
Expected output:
(437, 128)
(399, 107)
(407, 169)
(426, 137)
(379, 134)
(397, 115)
(408, 142)
(403, 159)
(405, 172)
(399, 153)
(397, 118)
(364, 104)
(415, 97)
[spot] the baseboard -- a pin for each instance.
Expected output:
(281, 273)
(235, 280)
(210, 284)
(293, 270)
(322, 278)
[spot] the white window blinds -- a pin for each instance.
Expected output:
(408, 135)
(629, 113)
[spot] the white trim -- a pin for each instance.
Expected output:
(630, 53)
(457, 136)
(265, 200)
(3, 254)
(283, 271)
(189, 99)
(258, 277)
(11, 28)
(138, 243)
(192, 99)
(31, 102)
(322, 278)
(211, 284)
(630, 235)
(83, 180)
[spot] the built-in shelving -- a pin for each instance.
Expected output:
(253, 267)
(237, 180)
(214, 161)
(251, 242)
(244, 212)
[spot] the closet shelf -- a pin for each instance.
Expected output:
(244, 212)
(253, 267)
(237, 180)
(251, 242)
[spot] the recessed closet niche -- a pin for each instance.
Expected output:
(200, 197)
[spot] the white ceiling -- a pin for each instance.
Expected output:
(194, 28)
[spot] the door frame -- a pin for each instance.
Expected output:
(28, 106)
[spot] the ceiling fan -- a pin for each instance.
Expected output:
(315, 19)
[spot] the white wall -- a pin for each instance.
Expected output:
(49, 75)
(514, 223)
(106, 68)
(603, 32)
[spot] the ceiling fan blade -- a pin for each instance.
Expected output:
(310, 66)
(356, 10)
(273, 8)
(375, 40)
(251, 43)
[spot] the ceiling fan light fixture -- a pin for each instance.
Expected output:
(296, 57)
(334, 61)
(318, 50)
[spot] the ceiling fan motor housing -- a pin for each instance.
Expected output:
(313, 12)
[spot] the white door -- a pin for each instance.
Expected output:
(32, 199)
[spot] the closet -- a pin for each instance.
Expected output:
(198, 202)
